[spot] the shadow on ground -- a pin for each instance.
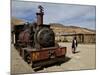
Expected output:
(58, 63)
(76, 52)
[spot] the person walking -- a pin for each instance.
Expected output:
(74, 44)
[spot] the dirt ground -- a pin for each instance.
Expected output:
(17, 63)
(83, 59)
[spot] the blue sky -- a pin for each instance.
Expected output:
(66, 14)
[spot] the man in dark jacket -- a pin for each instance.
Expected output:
(74, 44)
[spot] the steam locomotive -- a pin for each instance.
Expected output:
(36, 43)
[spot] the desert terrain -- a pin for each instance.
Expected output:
(84, 59)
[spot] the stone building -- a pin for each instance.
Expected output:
(66, 33)
(82, 38)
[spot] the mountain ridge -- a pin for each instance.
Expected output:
(59, 28)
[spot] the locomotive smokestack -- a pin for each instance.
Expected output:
(40, 15)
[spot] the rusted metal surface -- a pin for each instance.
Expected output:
(46, 53)
(37, 43)
(40, 16)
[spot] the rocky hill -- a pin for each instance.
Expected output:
(59, 28)
(16, 21)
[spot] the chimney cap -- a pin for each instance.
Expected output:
(41, 8)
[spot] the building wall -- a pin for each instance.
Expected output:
(89, 38)
(81, 38)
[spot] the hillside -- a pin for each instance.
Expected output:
(59, 28)
(16, 21)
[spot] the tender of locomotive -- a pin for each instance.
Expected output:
(36, 43)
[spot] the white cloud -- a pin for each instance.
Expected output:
(56, 13)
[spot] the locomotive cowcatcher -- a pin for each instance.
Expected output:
(36, 43)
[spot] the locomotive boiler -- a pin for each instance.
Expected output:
(36, 43)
